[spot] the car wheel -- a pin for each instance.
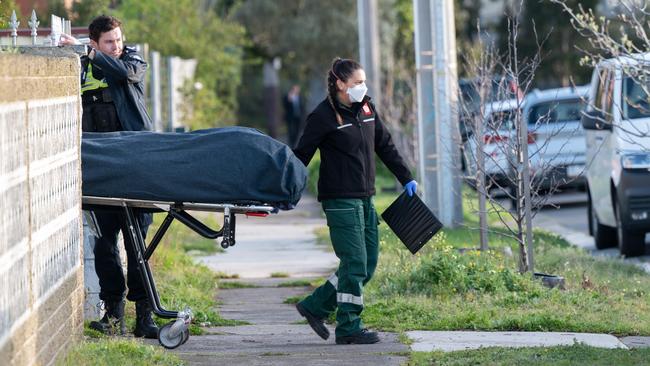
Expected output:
(631, 243)
(604, 236)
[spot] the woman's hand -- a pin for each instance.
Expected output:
(411, 187)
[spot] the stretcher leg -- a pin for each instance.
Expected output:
(135, 239)
(176, 332)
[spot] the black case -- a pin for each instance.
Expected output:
(412, 221)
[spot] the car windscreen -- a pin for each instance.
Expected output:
(635, 97)
(556, 111)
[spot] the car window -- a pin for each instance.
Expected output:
(557, 111)
(500, 88)
(635, 99)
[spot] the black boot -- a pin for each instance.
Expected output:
(315, 322)
(112, 323)
(144, 324)
(364, 336)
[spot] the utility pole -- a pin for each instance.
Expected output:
(437, 88)
(369, 46)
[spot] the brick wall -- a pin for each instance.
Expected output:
(41, 236)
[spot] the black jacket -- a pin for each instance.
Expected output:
(347, 168)
(125, 78)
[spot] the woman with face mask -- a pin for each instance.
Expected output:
(347, 130)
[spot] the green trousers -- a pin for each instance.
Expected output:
(353, 231)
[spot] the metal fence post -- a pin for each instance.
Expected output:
(172, 100)
(14, 23)
(33, 24)
(155, 91)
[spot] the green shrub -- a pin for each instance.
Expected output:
(443, 270)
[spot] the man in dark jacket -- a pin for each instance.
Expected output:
(112, 93)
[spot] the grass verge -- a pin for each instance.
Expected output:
(538, 356)
(111, 352)
(442, 288)
(235, 284)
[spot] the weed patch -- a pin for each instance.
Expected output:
(111, 352)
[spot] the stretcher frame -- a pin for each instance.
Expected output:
(176, 332)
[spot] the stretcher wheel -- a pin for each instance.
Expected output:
(225, 243)
(167, 339)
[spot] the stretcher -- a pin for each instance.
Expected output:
(176, 332)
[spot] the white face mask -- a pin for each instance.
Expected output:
(357, 92)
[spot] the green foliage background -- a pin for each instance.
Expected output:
(6, 6)
(232, 39)
(193, 29)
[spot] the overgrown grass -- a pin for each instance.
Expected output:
(226, 275)
(235, 284)
(279, 275)
(303, 282)
(111, 352)
(442, 288)
(538, 356)
(294, 299)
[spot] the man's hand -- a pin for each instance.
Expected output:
(68, 40)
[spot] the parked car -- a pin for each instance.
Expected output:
(498, 128)
(556, 141)
(501, 88)
(616, 122)
(555, 136)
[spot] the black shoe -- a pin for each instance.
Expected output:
(363, 336)
(144, 324)
(315, 322)
(112, 323)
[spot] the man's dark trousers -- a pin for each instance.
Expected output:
(108, 264)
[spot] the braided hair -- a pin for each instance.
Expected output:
(342, 69)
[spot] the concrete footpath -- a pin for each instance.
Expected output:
(275, 333)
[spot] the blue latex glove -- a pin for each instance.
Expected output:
(411, 187)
